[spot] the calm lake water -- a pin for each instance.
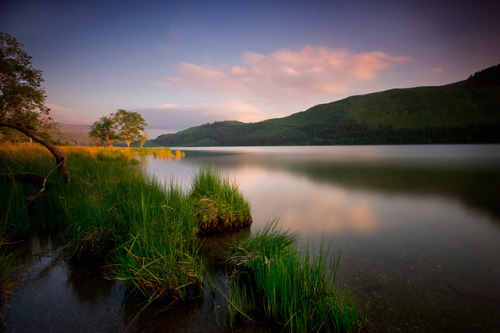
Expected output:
(418, 228)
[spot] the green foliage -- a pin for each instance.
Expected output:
(104, 130)
(146, 231)
(123, 125)
(218, 204)
(142, 138)
(130, 126)
(464, 112)
(22, 96)
(160, 261)
(293, 287)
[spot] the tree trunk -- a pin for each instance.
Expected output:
(58, 155)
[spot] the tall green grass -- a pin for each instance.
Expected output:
(218, 203)
(24, 206)
(160, 261)
(147, 231)
(292, 287)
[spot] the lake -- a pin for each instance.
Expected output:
(418, 229)
(418, 226)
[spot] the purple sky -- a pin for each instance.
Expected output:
(185, 63)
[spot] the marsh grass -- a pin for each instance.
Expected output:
(8, 270)
(161, 260)
(21, 213)
(219, 206)
(146, 231)
(292, 287)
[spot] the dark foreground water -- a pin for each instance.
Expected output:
(418, 228)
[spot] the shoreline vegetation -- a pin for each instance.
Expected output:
(148, 233)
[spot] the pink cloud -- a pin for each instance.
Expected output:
(437, 70)
(293, 74)
(175, 117)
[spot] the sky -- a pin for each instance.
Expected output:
(185, 63)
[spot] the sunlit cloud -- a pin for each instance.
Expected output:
(175, 117)
(286, 73)
(437, 70)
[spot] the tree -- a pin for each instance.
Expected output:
(130, 125)
(22, 98)
(143, 138)
(104, 130)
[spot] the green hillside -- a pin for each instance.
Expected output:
(464, 112)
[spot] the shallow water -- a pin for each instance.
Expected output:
(418, 228)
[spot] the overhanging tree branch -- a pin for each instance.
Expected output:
(22, 98)
(62, 168)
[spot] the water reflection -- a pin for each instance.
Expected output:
(418, 225)
(53, 297)
(418, 228)
(88, 281)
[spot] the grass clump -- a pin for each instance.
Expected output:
(161, 260)
(293, 288)
(219, 205)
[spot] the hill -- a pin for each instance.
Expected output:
(463, 112)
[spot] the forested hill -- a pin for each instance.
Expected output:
(464, 112)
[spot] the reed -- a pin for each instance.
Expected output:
(292, 287)
(219, 205)
(8, 269)
(146, 230)
(161, 261)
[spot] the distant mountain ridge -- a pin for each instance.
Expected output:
(463, 112)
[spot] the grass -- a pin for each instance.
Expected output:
(161, 153)
(108, 210)
(160, 261)
(148, 233)
(290, 286)
(219, 205)
(7, 276)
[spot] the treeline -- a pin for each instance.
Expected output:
(347, 134)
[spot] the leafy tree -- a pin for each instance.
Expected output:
(130, 125)
(143, 138)
(123, 125)
(22, 98)
(104, 130)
